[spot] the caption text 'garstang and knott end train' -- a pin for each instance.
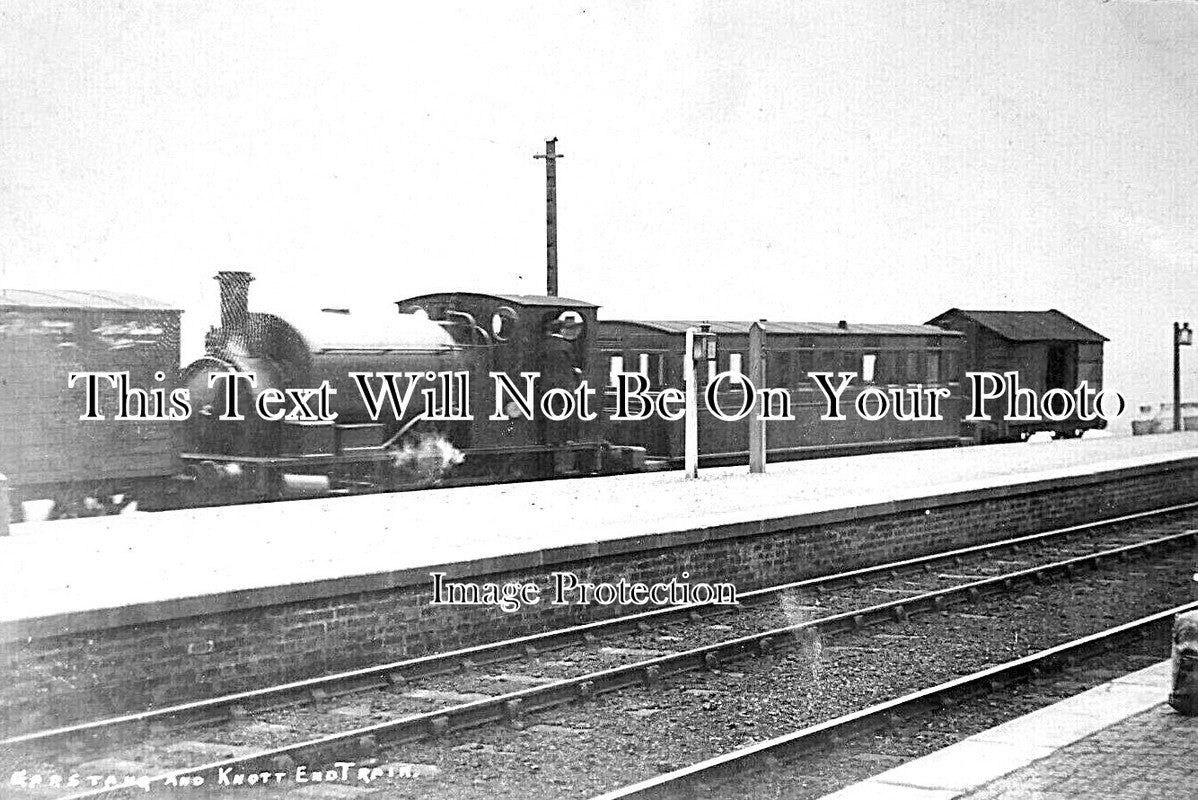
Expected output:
(730, 396)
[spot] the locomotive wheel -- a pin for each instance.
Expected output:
(520, 467)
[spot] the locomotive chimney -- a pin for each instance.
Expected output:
(234, 298)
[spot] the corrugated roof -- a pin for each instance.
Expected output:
(1030, 326)
(784, 328)
(97, 299)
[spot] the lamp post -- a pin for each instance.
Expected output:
(1182, 337)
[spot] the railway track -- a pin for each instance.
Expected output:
(239, 705)
(701, 779)
(364, 741)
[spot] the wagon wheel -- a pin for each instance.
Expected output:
(110, 506)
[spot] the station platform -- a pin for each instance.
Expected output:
(74, 566)
(112, 614)
(1118, 741)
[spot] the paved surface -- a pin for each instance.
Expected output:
(64, 567)
(1118, 741)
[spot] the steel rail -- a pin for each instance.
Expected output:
(697, 779)
(513, 706)
(237, 705)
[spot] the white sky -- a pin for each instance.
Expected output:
(868, 160)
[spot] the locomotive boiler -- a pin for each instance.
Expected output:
(234, 454)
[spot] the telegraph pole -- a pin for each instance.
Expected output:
(551, 156)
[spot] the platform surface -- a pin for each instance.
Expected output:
(1118, 741)
(55, 568)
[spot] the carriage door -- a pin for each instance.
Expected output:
(1057, 372)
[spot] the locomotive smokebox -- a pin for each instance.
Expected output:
(234, 298)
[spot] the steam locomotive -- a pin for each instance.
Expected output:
(52, 450)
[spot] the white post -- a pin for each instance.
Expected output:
(4, 509)
(757, 378)
(692, 407)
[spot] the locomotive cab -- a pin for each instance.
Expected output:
(535, 341)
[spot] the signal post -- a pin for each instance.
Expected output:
(700, 349)
(757, 377)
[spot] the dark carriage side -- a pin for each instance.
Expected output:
(1047, 349)
(887, 357)
(47, 452)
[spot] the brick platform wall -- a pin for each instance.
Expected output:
(52, 679)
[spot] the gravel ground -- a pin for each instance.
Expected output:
(816, 774)
(581, 750)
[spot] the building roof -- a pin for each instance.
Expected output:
(93, 299)
(1029, 326)
(785, 328)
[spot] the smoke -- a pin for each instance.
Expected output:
(809, 645)
(427, 456)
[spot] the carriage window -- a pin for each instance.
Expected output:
(912, 367)
(951, 366)
(643, 364)
(777, 368)
(617, 366)
(800, 363)
(868, 362)
(712, 369)
(734, 363)
(884, 368)
(824, 361)
(933, 374)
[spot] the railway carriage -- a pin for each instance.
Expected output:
(46, 451)
(889, 357)
(1048, 349)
